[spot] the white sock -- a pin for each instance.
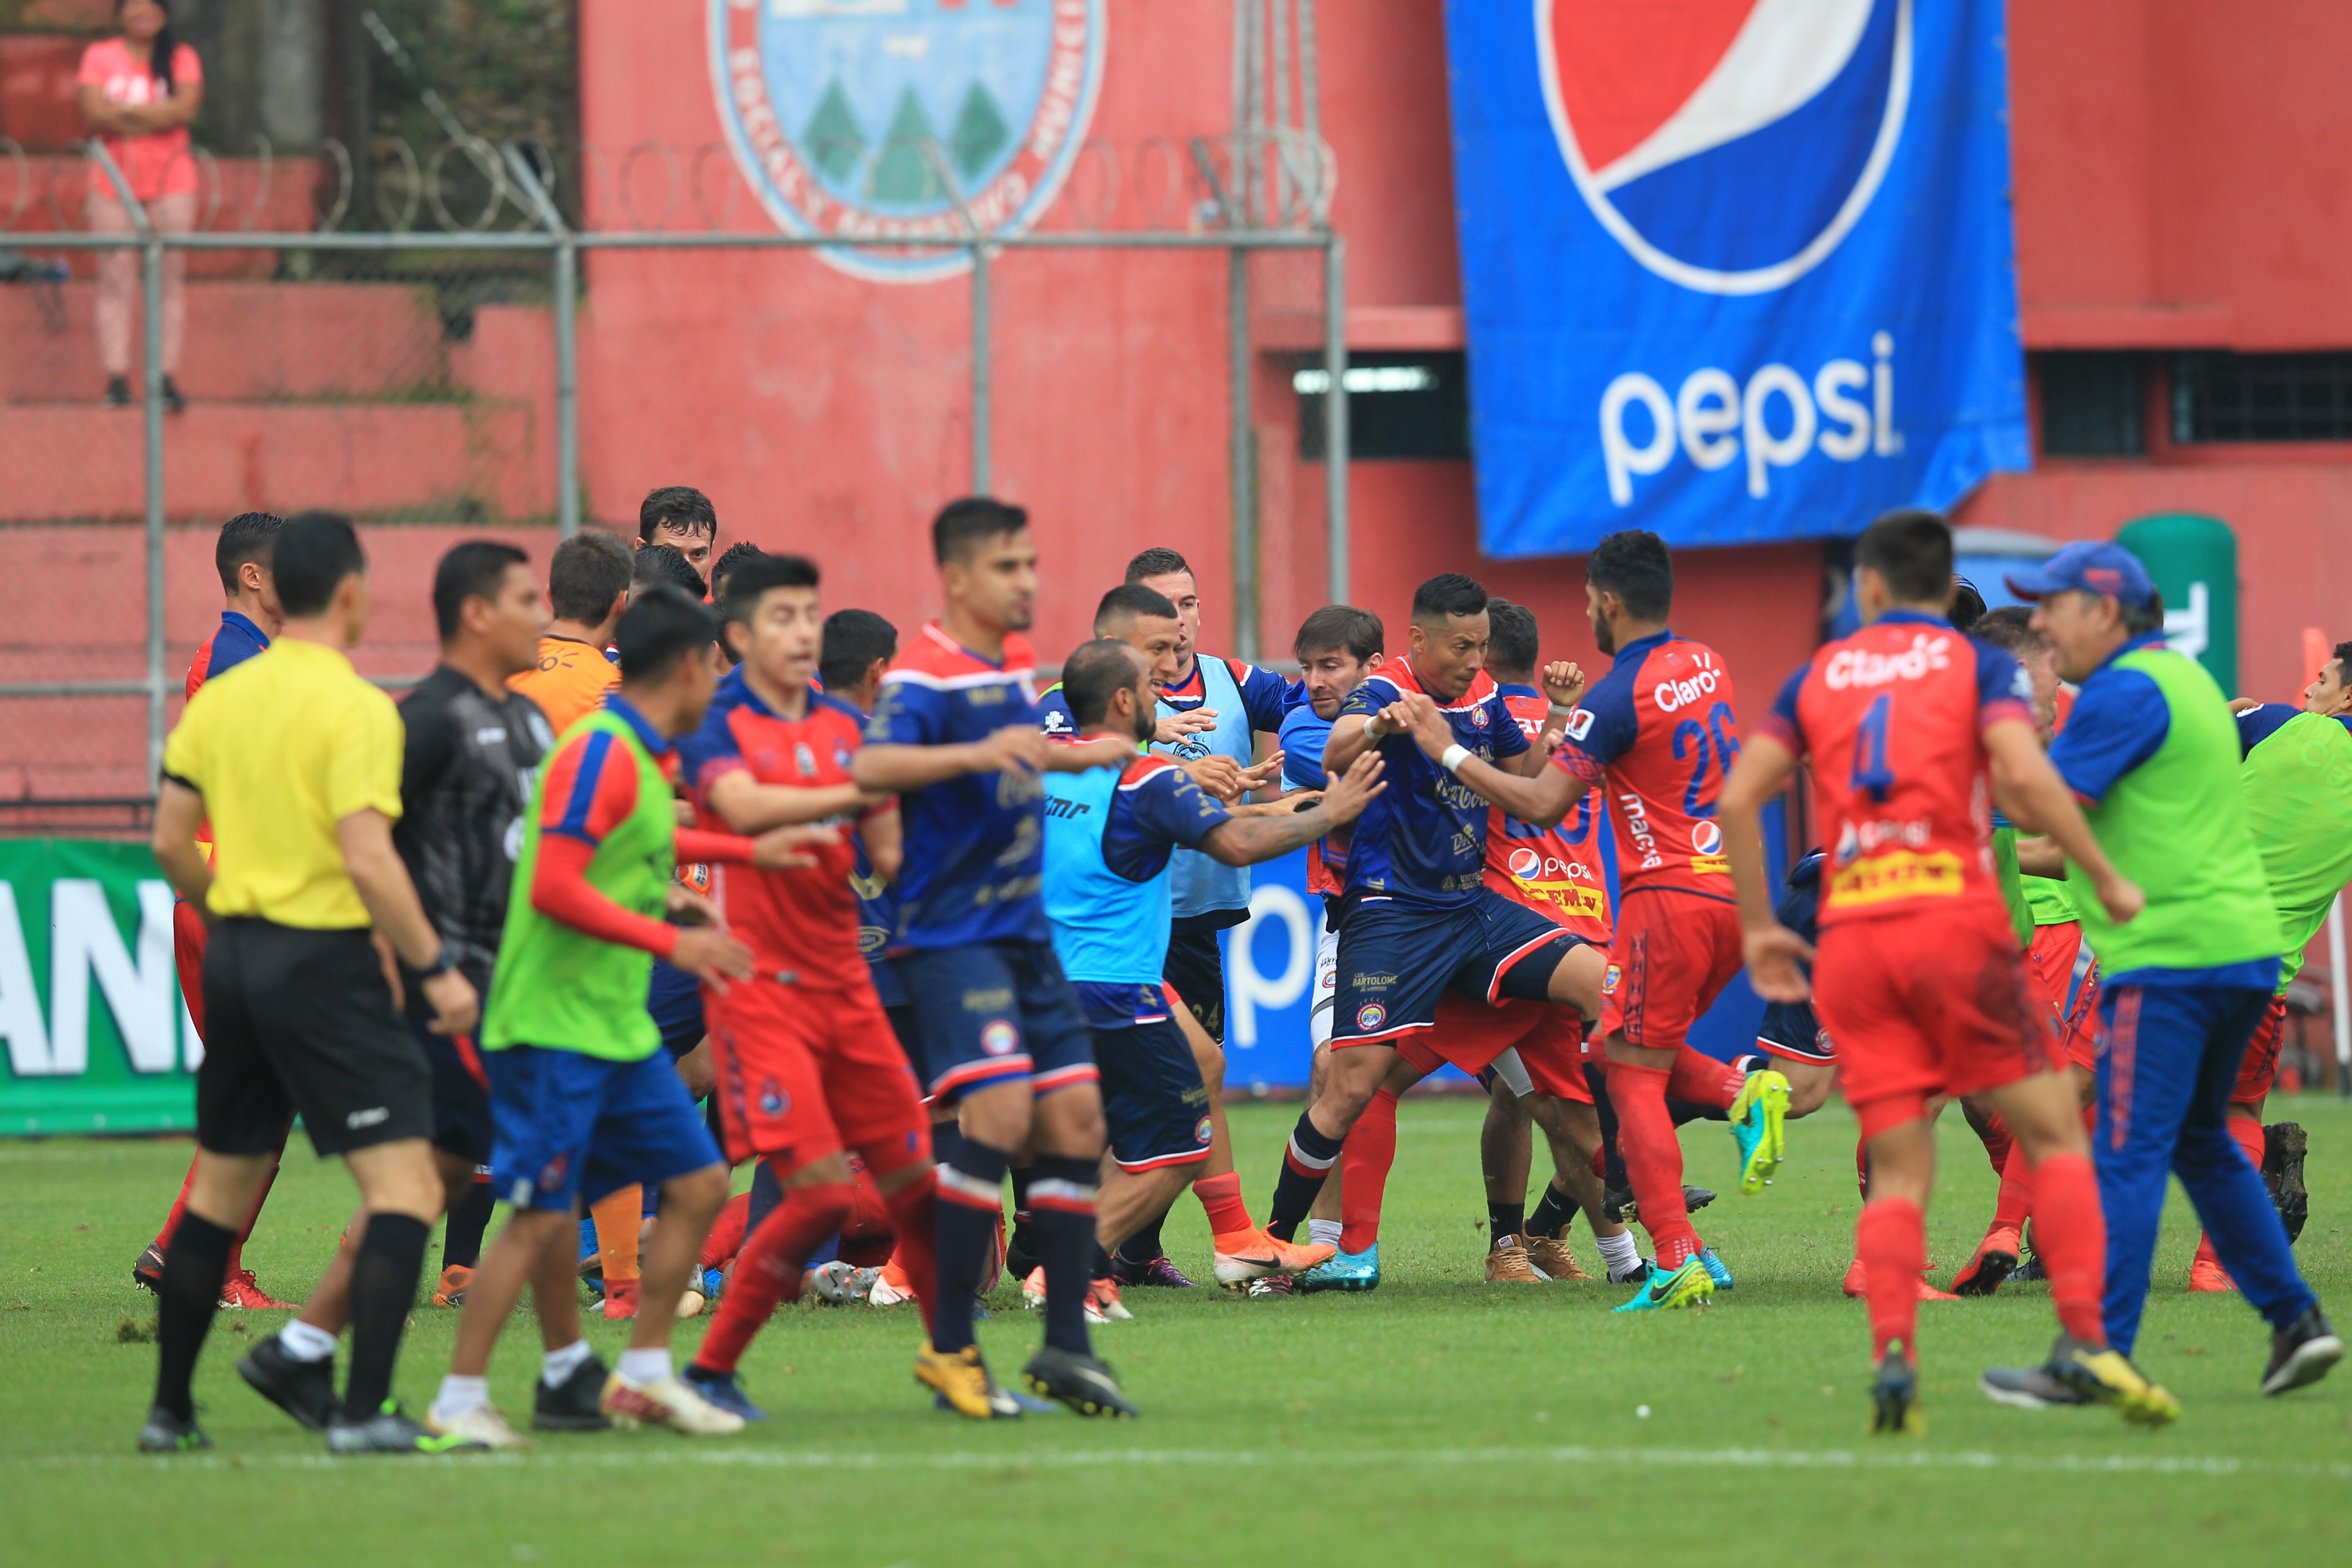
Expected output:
(1618, 1251)
(1323, 1232)
(557, 1367)
(642, 1367)
(459, 1397)
(304, 1341)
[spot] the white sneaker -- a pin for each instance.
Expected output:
(885, 1294)
(665, 1402)
(483, 1425)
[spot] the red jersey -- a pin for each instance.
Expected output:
(1894, 718)
(1658, 732)
(802, 923)
(1555, 871)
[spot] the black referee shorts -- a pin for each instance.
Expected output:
(302, 1021)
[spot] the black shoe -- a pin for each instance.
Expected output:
(148, 1272)
(1080, 1382)
(2283, 1143)
(303, 1389)
(118, 392)
(173, 402)
(2028, 1388)
(165, 1433)
(1019, 1261)
(389, 1431)
(1696, 1198)
(2301, 1352)
(2031, 1272)
(1618, 1203)
(1894, 1398)
(573, 1406)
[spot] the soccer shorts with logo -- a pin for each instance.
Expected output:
(992, 1011)
(2068, 977)
(1790, 1030)
(1397, 960)
(573, 1128)
(1195, 966)
(1153, 1099)
(2258, 1070)
(804, 1073)
(462, 1122)
(1671, 956)
(1928, 1003)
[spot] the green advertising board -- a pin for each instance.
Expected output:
(98, 1040)
(2193, 562)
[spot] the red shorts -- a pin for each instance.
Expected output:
(188, 935)
(1670, 959)
(1470, 1035)
(2259, 1069)
(2073, 999)
(1928, 1003)
(805, 1073)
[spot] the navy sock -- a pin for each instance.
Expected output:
(1554, 1213)
(1505, 1219)
(1062, 1218)
(188, 1295)
(1144, 1244)
(1305, 1164)
(971, 1200)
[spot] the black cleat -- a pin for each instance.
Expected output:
(303, 1389)
(148, 1272)
(2301, 1352)
(1080, 1382)
(389, 1431)
(165, 1433)
(2283, 1145)
(1019, 1261)
(2028, 1388)
(2031, 1271)
(1696, 1198)
(1894, 1398)
(572, 1407)
(1618, 1203)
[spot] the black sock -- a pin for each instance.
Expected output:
(1686, 1111)
(1612, 1165)
(767, 1192)
(1101, 1268)
(189, 1294)
(1145, 1244)
(385, 1271)
(1022, 1242)
(461, 1239)
(1305, 1164)
(1505, 1220)
(1555, 1211)
(971, 1200)
(1062, 1188)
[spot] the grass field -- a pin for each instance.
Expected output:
(1437, 1420)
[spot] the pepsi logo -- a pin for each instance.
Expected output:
(1525, 864)
(1706, 838)
(1728, 145)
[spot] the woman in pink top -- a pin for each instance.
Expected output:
(139, 91)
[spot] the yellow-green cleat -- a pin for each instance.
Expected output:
(1688, 1286)
(1757, 1117)
(2107, 1376)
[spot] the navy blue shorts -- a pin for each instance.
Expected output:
(1153, 1099)
(674, 998)
(462, 1123)
(1396, 959)
(1790, 1030)
(994, 1012)
(574, 1127)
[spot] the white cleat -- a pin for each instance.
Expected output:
(482, 1424)
(665, 1402)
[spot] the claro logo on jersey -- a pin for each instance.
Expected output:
(1857, 668)
(1680, 692)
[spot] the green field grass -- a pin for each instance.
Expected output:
(1436, 1420)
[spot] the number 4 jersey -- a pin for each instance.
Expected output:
(1658, 733)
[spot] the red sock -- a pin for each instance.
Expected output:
(1861, 1167)
(1366, 1157)
(914, 1226)
(726, 1237)
(869, 1226)
(1703, 1081)
(2248, 1132)
(2016, 1199)
(1891, 1240)
(1997, 1143)
(2070, 1234)
(769, 1271)
(179, 1207)
(1654, 1159)
(1221, 1197)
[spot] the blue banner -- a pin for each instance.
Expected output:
(1735, 270)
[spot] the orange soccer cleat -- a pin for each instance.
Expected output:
(1239, 1256)
(1857, 1285)
(621, 1297)
(241, 1290)
(1995, 1261)
(2204, 1274)
(451, 1291)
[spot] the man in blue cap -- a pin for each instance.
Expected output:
(2151, 751)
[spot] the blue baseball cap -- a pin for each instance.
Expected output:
(2089, 566)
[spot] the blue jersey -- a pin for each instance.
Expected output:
(1425, 838)
(1792, 1023)
(974, 843)
(1266, 698)
(1109, 842)
(877, 907)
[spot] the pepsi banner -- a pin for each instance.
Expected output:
(1735, 270)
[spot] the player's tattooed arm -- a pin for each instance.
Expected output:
(1773, 951)
(1542, 799)
(2030, 794)
(1248, 840)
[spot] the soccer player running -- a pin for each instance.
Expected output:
(955, 736)
(2151, 751)
(1110, 840)
(1911, 725)
(1659, 732)
(250, 616)
(296, 762)
(807, 1064)
(1417, 918)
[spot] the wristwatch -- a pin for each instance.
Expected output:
(443, 963)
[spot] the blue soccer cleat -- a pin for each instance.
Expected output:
(1346, 1271)
(1688, 1286)
(721, 1389)
(1717, 1268)
(714, 1283)
(1756, 1128)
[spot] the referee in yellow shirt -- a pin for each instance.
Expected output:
(297, 760)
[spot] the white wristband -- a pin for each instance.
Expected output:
(1559, 712)
(1455, 755)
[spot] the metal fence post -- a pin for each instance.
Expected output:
(1335, 418)
(1243, 458)
(150, 334)
(567, 341)
(984, 390)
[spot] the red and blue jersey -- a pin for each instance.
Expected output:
(1894, 718)
(974, 843)
(803, 921)
(1659, 733)
(1425, 838)
(1560, 872)
(235, 640)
